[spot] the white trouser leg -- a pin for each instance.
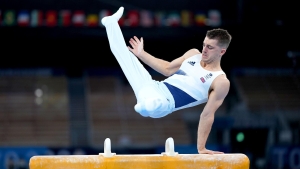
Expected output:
(134, 71)
(149, 99)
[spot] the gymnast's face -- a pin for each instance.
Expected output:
(211, 50)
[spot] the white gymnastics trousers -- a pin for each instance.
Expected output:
(153, 97)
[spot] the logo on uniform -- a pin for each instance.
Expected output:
(202, 79)
(192, 63)
(206, 77)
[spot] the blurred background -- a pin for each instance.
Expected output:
(63, 92)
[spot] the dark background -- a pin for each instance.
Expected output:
(262, 31)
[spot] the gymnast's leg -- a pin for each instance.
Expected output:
(149, 99)
(134, 71)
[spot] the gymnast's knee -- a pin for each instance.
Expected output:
(139, 109)
(149, 107)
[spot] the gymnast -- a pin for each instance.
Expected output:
(191, 79)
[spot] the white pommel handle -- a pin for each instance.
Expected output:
(107, 149)
(169, 147)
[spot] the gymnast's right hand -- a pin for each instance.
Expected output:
(206, 151)
(137, 46)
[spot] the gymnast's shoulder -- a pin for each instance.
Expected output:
(191, 52)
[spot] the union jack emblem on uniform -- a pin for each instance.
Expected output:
(202, 79)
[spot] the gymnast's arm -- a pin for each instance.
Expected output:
(220, 88)
(164, 67)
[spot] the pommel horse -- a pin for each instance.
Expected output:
(166, 160)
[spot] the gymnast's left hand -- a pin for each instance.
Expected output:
(206, 151)
(137, 46)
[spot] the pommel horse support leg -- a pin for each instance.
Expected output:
(165, 160)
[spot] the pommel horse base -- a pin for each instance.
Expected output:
(165, 160)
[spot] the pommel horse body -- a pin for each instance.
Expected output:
(166, 160)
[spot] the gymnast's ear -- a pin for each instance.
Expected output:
(223, 51)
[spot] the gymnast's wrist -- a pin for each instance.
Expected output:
(142, 54)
